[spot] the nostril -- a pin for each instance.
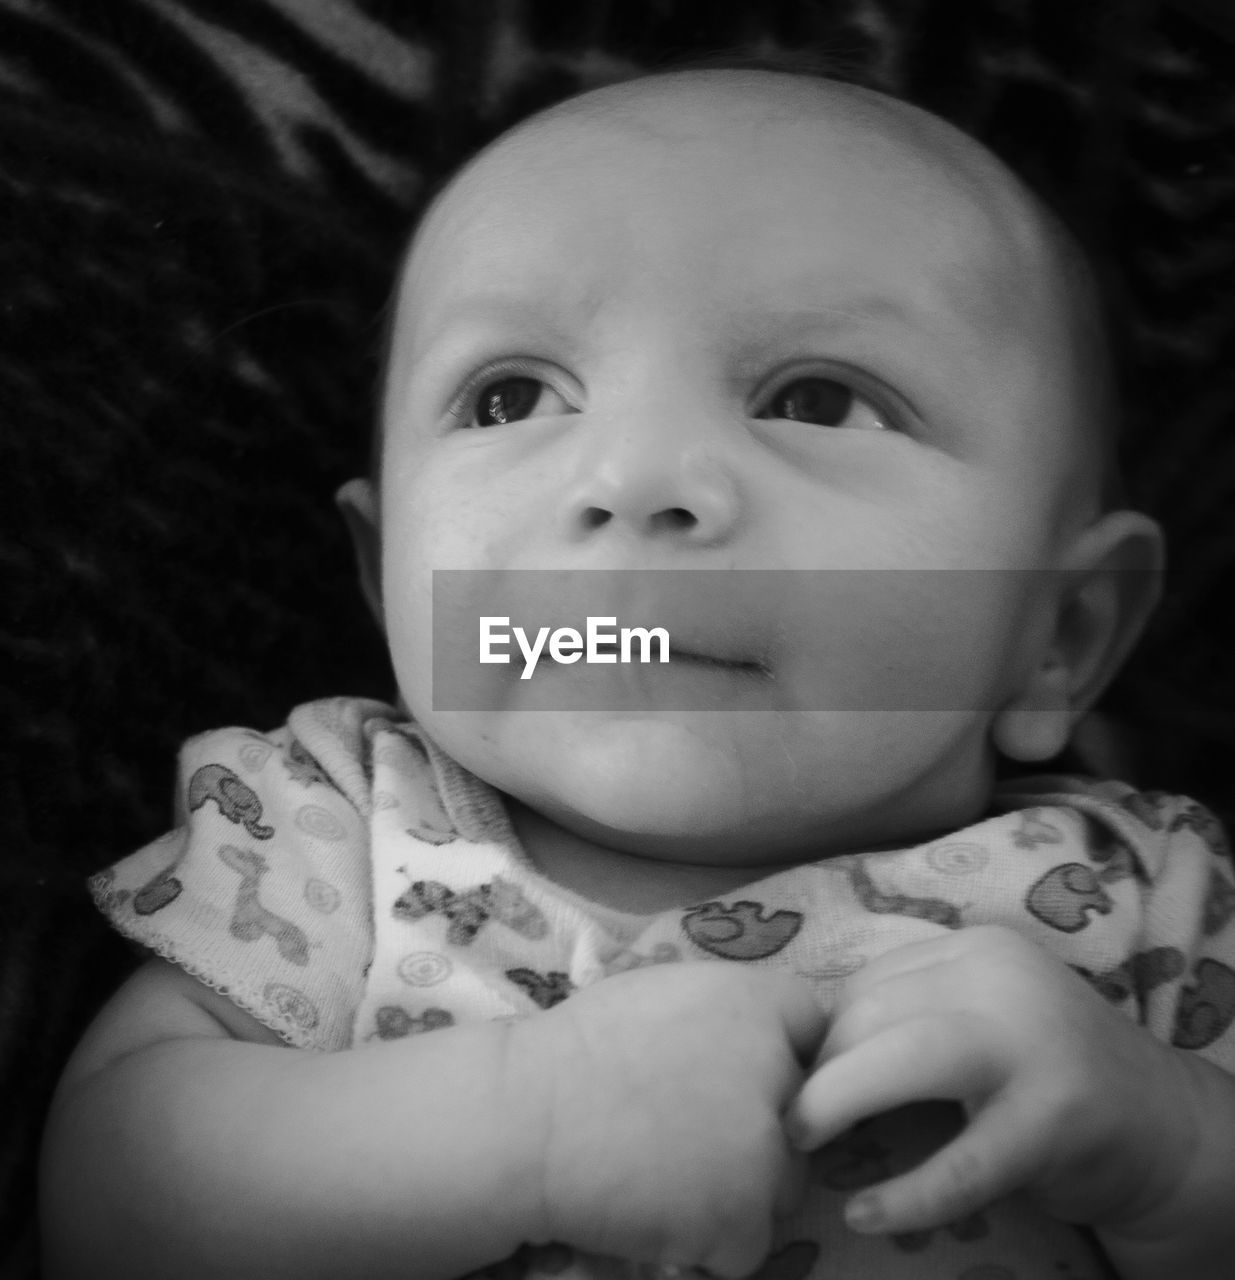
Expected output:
(666, 520)
(675, 518)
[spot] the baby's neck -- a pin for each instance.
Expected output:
(612, 878)
(637, 883)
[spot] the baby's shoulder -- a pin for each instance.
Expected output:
(262, 889)
(328, 743)
(357, 755)
(1154, 822)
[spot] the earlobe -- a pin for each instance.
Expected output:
(357, 503)
(1110, 584)
(1035, 725)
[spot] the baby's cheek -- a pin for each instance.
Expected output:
(896, 640)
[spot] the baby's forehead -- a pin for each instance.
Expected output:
(744, 123)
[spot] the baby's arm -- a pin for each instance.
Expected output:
(1067, 1100)
(641, 1117)
(1191, 1230)
(185, 1140)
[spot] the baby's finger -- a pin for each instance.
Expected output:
(986, 1161)
(861, 1013)
(928, 958)
(925, 953)
(913, 1061)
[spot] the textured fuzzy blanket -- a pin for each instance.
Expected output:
(202, 203)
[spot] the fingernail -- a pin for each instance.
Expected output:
(863, 1213)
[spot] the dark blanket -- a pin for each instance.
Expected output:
(202, 205)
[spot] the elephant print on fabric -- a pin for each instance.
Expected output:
(1137, 976)
(1206, 1007)
(237, 801)
(742, 931)
(1195, 817)
(1065, 895)
(251, 920)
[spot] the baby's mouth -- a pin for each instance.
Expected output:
(696, 658)
(742, 666)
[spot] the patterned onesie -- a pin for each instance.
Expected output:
(347, 883)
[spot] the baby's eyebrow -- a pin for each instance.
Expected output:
(765, 333)
(478, 313)
(453, 328)
(860, 307)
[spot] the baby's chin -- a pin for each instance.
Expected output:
(719, 787)
(634, 781)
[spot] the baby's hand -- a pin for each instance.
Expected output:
(664, 1090)
(1066, 1098)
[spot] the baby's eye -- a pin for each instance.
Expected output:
(824, 402)
(511, 399)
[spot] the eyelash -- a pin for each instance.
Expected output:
(888, 406)
(464, 402)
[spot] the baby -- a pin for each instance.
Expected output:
(743, 961)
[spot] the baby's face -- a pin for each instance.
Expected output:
(741, 322)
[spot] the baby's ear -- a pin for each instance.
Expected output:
(357, 502)
(1110, 585)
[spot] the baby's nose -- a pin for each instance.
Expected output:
(688, 495)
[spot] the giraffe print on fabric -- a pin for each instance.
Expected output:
(251, 920)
